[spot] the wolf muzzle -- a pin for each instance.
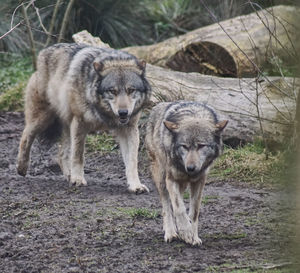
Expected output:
(123, 116)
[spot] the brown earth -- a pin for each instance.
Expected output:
(48, 226)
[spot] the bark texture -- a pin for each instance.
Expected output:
(231, 47)
(254, 107)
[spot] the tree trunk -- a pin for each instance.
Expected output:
(249, 104)
(235, 47)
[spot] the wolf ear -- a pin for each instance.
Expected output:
(171, 125)
(221, 125)
(142, 65)
(98, 66)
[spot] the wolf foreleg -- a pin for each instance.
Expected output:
(169, 225)
(158, 175)
(129, 144)
(64, 152)
(78, 134)
(195, 203)
(183, 223)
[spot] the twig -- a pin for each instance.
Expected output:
(239, 48)
(279, 21)
(11, 30)
(254, 267)
(65, 20)
(33, 51)
(40, 19)
(15, 10)
(297, 121)
(52, 22)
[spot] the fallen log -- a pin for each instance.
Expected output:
(234, 48)
(255, 107)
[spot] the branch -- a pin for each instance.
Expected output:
(11, 30)
(52, 22)
(239, 48)
(65, 20)
(33, 50)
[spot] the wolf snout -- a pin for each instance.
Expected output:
(123, 116)
(190, 168)
(123, 113)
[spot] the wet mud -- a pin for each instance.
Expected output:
(48, 226)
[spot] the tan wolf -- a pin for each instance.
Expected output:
(85, 89)
(182, 139)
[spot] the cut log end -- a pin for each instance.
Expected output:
(204, 57)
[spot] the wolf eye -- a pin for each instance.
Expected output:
(112, 91)
(200, 146)
(130, 90)
(183, 146)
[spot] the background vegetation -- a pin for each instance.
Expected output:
(119, 23)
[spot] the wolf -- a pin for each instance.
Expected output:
(182, 140)
(84, 89)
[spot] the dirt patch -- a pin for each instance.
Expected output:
(48, 226)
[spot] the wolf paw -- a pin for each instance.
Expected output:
(22, 170)
(169, 236)
(78, 181)
(22, 167)
(141, 188)
(187, 236)
(197, 241)
(185, 232)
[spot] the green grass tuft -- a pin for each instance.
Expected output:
(100, 143)
(14, 74)
(249, 164)
(12, 98)
(140, 212)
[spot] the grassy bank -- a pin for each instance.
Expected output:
(14, 73)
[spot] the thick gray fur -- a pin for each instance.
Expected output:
(85, 88)
(182, 139)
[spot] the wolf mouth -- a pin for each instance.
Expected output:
(124, 120)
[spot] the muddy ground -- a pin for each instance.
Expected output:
(48, 226)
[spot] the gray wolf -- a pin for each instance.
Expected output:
(182, 140)
(85, 89)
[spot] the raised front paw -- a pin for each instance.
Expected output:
(138, 188)
(78, 181)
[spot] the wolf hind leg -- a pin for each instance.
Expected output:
(129, 143)
(36, 122)
(64, 153)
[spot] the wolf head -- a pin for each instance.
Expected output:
(195, 144)
(123, 88)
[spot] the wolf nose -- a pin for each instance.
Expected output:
(190, 168)
(123, 113)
